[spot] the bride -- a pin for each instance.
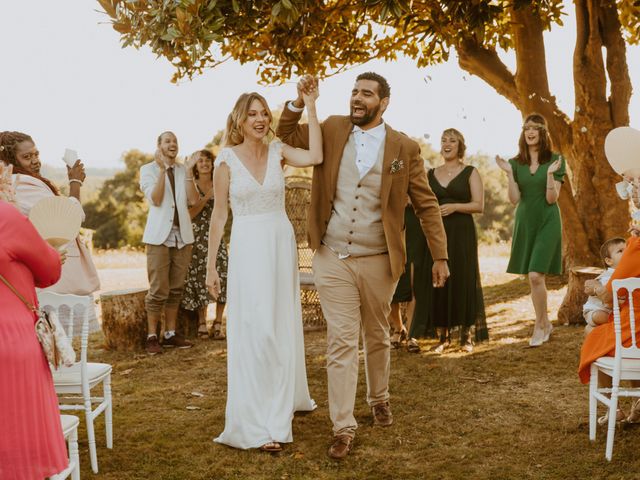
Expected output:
(266, 374)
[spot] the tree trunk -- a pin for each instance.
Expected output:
(124, 319)
(187, 323)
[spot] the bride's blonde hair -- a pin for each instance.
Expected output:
(233, 134)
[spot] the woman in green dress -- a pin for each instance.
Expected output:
(196, 297)
(535, 177)
(458, 306)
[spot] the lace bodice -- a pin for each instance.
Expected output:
(246, 195)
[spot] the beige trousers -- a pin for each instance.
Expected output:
(354, 292)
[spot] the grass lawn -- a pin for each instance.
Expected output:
(503, 412)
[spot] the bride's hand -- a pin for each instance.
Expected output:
(310, 96)
(213, 284)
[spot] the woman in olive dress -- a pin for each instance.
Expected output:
(535, 177)
(458, 306)
(196, 297)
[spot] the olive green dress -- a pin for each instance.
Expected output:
(537, 234)
(459, 304)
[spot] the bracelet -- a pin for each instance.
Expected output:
(75, 180)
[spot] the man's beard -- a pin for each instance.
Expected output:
(367, 117)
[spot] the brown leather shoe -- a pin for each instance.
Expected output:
(152, 346)
(341, 446)
(382, 414)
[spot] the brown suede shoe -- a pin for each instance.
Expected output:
(341, 446)
(382, 414)
(177, 341)
(152, 346)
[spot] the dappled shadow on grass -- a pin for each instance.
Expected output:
(516, 288)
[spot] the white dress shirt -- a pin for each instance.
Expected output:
(368, 143)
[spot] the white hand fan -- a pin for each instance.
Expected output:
(57, 219)
(622, 147)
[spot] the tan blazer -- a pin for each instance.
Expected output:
(409, 178)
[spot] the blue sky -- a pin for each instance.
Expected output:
(67, 82)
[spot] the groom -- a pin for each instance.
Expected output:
(356, 227)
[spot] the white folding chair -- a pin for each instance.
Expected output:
(625, 365)
(70, 431)
(75, 383)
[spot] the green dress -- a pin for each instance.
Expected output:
(459, 304)
(537, 234)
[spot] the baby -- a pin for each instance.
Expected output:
(595, 311)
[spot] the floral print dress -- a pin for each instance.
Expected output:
(195, 290)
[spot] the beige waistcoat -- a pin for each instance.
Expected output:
(355, 227)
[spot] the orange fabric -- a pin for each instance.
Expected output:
(602, 340)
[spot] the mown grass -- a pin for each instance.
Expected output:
(503, 412)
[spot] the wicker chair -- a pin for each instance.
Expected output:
(297, 200)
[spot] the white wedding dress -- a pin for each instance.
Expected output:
(266, 374)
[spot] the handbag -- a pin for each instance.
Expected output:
(50, 333)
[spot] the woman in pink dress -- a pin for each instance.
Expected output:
(31, 441)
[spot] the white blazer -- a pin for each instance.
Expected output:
(160, 218)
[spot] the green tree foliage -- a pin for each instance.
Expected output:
(292, 37)
(118, 214)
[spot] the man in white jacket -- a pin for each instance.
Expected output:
(168, 235)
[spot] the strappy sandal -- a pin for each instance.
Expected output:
(441, 347)
(399, 337)
(202, 330)
(271, 447)
(216, 331)
(412, 346)
(634, 414)
(620, 416)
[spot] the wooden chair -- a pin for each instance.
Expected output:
(625, 365)
(297, 201)
(70, 431)
(74, 384)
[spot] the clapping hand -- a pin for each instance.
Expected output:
(191, 161)
(554, 167)
(7, 192)
(503, 164)
(213, 284)
(159, 159)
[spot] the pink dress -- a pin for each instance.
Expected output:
(31, 441)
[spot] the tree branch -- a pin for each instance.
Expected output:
(617, 68)
(486, 64)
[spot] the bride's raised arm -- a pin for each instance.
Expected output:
(297, 157)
